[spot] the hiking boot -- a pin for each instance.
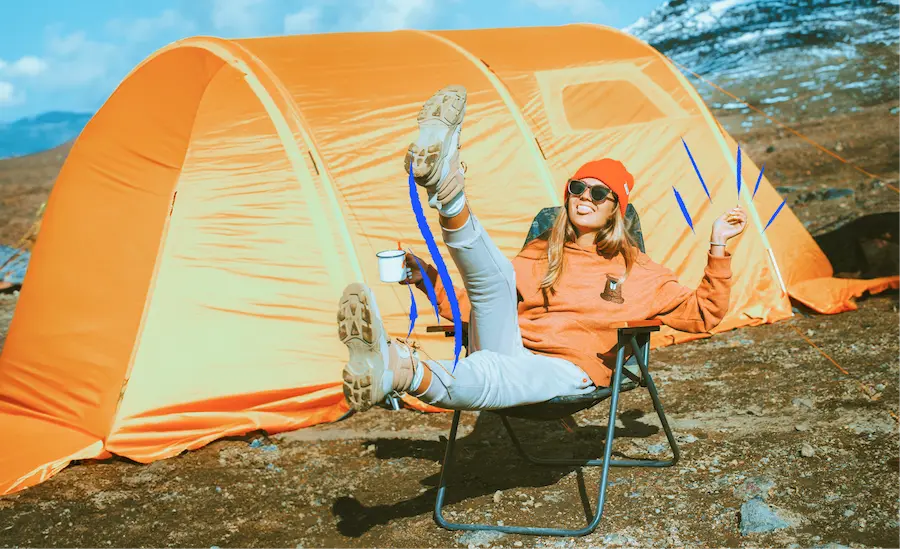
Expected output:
(434, 156)
(377, 367)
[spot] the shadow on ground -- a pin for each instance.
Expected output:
(486, 461)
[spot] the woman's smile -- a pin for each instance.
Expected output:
(584, 209)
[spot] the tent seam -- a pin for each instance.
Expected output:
(315, 156)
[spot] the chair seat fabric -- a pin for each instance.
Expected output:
(563, 406)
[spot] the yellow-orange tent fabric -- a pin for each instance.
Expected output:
(184, 283)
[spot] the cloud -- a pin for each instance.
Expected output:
(78, 61)
(145, 29)
(243, 17)
(78, 70)
(8, 95)
(359, 16)
(591, 8)
(388, 15)
(302, 22)
(25, 66)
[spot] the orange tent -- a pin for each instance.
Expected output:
(184, 283)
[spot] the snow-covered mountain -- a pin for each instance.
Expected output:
(825, 55)
(42, 132)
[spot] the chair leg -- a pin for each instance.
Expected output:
(528, 530)
(445, 467)
(642, 350)
(605, 463)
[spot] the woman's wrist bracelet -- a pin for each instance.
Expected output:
(714, 244)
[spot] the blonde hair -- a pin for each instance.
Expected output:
(613, 238)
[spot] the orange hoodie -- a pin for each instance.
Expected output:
(576, 323)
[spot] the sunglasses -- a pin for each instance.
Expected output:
(598, 193)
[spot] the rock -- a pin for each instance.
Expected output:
(259, 444)
(879, 387)
(838, 147)
(802, 402)
(807, 451)
(657, 448)
(757, 517)
(771, 148)
(877, 424)
(831, 194)
(685, 439)
(849, 512)
(483, 537)
(802, 427)
(754, 410)
(617, 539)
(754, 487)
(517, 544)
(831, 545)
(497, 495)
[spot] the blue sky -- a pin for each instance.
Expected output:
(71, 54)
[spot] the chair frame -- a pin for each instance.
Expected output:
(633, 334)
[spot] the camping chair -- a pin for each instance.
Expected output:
(635, 335)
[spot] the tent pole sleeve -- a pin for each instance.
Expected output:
(530, 140)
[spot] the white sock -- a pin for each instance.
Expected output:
(456, 205)
(418, 374)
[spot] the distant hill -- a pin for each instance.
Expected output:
(792, 58)
(41, 132)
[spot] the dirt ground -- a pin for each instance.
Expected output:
(761, 416)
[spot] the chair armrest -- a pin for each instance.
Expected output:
(448, 329)
(633, 324)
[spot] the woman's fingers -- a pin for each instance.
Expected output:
(407, 279)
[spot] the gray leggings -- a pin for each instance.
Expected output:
(499, 371)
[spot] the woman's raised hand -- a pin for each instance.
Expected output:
(729, 225)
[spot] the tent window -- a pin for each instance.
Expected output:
(604, 104)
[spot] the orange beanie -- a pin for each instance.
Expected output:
(613, 174)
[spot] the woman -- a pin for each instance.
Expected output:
(539, 326)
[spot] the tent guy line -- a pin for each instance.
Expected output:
(785, 126)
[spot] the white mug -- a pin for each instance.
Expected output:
(392, 265)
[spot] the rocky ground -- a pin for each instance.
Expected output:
(779, 447)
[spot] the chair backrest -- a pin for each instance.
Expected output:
(543, 221)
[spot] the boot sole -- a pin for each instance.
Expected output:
(360, 329)
(438, 119)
